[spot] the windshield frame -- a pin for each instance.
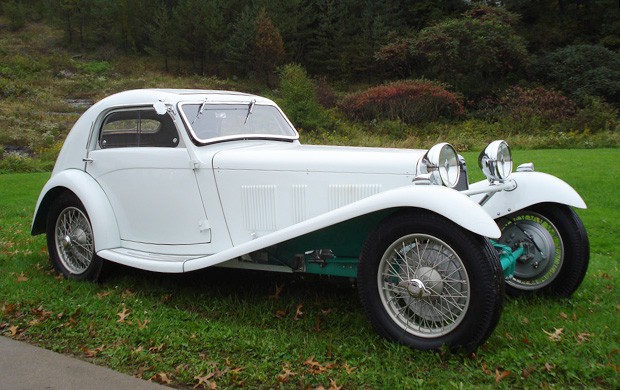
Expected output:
(205, 141)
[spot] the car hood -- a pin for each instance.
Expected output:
(309, 158)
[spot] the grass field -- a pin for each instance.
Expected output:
(232, 328)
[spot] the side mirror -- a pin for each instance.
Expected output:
(160, 108)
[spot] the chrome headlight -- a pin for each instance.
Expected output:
(496, 161)
(442, 163)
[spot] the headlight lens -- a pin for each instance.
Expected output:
(496, 161)
(442, 162)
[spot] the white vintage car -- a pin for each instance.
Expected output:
(180, 180)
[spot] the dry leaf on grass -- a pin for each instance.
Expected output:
(556, 335)
(122, 315)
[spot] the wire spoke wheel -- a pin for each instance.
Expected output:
(424, 286)
(74, 240)
(427, 283)
(70, 240)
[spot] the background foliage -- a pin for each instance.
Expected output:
(359, 72)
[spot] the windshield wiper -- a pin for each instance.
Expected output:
(250, 108)
(200, 110)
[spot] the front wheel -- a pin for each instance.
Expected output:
(70, 240)
(557, 250)
(426, 282)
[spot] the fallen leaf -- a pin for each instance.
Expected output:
(526, 372)
(13, 329)
(280, 314)
(556, 335)
(525, 321)
(286, 374)
(72, 320)
(91, 353)
(508, 336)
(162, 378)
(128, 293)
(22, 278)
(333, 385)
(276, 294)
(499, 375)
(142, 325)
(158, 348)
(485, 369)
(203, 380)
(122, 315)
(548, 367)
(317, 323)
(564, 315)
(103, 294)
(583, 337)
(526, 340)
(327, 311)
(348, 368)
(298, 312)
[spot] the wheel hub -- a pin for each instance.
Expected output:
(538, 244)
(415, 288)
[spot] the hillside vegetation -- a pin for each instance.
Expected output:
(461, 73)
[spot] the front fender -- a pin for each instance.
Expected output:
(449, 203)
(98, 208)
(532, 188)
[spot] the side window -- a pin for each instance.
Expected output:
(138, 128)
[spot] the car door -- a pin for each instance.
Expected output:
(144, 169)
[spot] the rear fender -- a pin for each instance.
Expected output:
(532, 188)
(100, 213)
(449, 203)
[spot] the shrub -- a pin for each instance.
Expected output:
(583, 70)
(524, 103)
(411, 101)
(325, 93)
(300, 101)
(596, 116)
(95, 67)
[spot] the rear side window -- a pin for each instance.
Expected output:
(138, 128)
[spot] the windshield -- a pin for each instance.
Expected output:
(211, 122)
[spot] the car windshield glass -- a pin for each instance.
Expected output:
(209, 122)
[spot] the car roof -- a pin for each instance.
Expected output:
(174, 96)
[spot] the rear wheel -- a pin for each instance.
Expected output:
(426, 282)
(70, 240)
(557, 250)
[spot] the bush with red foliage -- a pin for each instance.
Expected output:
(525, 103)
(411, 101)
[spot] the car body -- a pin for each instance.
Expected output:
(180, 180)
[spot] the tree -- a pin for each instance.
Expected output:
(268, 47)
(476, 53)
(583, 70)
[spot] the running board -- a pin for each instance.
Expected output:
(145, 260)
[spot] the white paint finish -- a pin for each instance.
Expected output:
(153, 192)
(100, 212)
(342, 194)
(532, 188)
(282, 156)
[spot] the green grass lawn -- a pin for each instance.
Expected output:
(231, 328)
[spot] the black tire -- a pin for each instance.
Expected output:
(459, 270)
(557, 250)
(70, 240)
